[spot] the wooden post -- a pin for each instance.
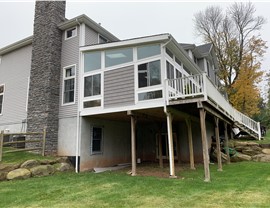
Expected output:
(227, 143)
(170, 143)
(190, 143)
(1, 144)
(160, 149)
(218, 144)
(133, 145)
(44, 141)
(204, 146)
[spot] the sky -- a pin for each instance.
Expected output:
(126, 19)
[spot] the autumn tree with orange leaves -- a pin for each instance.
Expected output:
(239, 51)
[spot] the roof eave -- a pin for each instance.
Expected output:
(16, 45)
(89, 22)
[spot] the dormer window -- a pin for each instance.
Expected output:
(70, 33)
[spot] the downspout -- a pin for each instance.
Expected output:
(78, 137)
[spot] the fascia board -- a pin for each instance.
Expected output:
(89, 22)
(16, 45)
(130, 42)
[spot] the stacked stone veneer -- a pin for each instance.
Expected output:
(43, 98)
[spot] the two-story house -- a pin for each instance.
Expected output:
(106, 101)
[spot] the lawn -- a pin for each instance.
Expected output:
(245, 184)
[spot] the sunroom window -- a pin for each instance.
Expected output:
(148, 51)
(92, 61)
(119, 56)
(92, 85)
(149, 74)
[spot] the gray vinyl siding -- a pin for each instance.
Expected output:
(91, 36)
(119, 87)
(70, 56)
(201, 64)
(14, 74)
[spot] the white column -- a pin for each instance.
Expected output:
(170, 144)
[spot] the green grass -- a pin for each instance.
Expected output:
(245, 184)
(18, 157)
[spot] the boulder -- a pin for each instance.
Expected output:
(238, 157)
(251, 150)
(240, 143)
(63, 167)
(21, 173)
(62, 160)
(266, 151)
(30, 164)
(42, 170)
(261, 158)
(8, 167)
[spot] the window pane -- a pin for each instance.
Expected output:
(154, 68)
(70, 72)
(69, 90)
(178, 74)
(92, 85)
(178, 61)
(92, 61)
(1, 89)
(96, 84)
(150, 95)
(142, 75)
(96, 139)
(118, 56)
(170, 70)
(92, 103)
(1, 103)
(169, 52)
(148, 51)
(71, 33)
(88, 86)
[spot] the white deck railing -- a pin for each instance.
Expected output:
(200, 86)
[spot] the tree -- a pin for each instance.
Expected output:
(231, 34)
(246, 94)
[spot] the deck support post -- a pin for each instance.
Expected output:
(218, 144)
(204, 146)
(133, 145)
(227, 142)
(190, 143)
(170, 144)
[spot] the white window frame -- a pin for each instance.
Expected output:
(2, 93)
(76, 32)
(63, 84)
(101, 142)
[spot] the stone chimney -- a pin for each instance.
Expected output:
(43, 98)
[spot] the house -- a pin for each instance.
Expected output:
(106, 101)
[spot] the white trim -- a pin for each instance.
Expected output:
(0, 59)
(76, 32)
(63, 84)
(3, 99)
(82, 34)
(126, 43)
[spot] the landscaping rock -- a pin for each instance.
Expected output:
(21, 173)
(3, 176)
(239, 143)
(62, 160)
(47, 162)
(239, 157)
(251, 150)
(266, 151)
(63, 167)
(42, 170)
(8, 167)
(30, 164)
(261, 158)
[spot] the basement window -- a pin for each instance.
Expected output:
(96, 140)
(70, 33)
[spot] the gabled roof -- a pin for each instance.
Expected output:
(90, 23)
(205, 48)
